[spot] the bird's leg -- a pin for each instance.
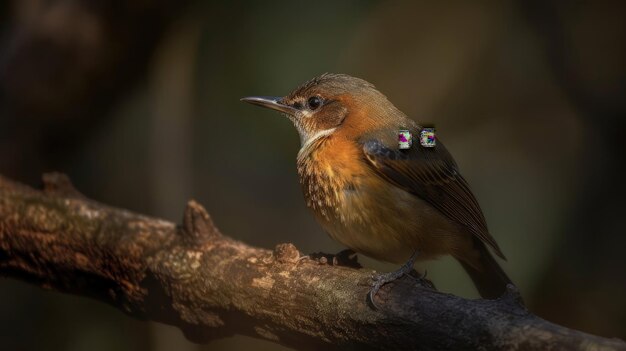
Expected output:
(346, 258)
(385, 278)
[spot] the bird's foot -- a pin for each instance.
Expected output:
(379, 281)
(384, 278)
(347, 258)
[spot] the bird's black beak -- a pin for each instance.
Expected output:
(270, 102)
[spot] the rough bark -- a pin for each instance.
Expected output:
(209, 285)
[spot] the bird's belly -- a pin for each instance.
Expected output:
(388, 224)
(369, 214)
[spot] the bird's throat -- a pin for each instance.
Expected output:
(309, 142)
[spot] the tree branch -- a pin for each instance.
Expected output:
(210, 286)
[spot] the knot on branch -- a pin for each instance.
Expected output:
(198, 227)
(513, 295)
(286, 253)
(56, 183)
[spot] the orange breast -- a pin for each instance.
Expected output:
(354, 205)
(363, 211)
(331, 167)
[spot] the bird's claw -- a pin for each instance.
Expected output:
(382, 279)
(372, 294)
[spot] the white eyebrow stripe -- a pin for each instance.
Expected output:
(310, 140)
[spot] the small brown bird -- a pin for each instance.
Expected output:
(395, 205)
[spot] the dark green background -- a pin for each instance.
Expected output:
(527, 95)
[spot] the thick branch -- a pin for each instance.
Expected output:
(210, 285)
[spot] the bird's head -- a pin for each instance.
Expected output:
(331, 103)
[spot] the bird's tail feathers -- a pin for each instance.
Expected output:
(486, 273)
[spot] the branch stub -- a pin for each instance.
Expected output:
(286, 253)
(56, 183)
(198, 226)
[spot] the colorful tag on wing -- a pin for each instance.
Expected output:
(405, 139)
(427, 137)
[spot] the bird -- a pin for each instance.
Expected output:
(391, 204)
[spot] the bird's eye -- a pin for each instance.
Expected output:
(314, 102)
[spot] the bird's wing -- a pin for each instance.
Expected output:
(431, 174)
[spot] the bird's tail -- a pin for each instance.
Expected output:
(486, 273)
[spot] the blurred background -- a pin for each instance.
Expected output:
(138, 102)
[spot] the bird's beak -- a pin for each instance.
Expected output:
(270, 102)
